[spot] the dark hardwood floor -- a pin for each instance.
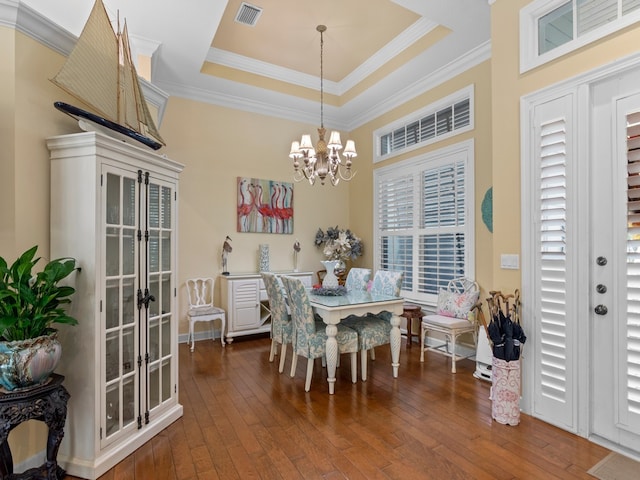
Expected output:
(243, 420)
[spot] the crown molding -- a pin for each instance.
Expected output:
(264, 69)
(272, 104)
(24, 19)
(438, 77)
(387, 53)
(407, 38)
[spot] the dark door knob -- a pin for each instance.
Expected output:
(601, 310)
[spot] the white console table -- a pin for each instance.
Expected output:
(245, 300)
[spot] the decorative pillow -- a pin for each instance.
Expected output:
(458, 305)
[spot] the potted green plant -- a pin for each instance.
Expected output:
(30, 304)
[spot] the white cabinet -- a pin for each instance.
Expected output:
(245, 300)
(113, 208)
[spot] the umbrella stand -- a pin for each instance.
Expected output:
(506, 338)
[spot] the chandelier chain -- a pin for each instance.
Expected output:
(321, 80)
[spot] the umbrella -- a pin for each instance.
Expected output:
(504, 330)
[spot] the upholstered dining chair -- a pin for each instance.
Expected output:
(201, 308)
(357, 279)
(455, 315)
(281, 325)
(375, 330)
(310, 333)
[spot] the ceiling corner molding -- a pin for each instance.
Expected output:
(461, 64)
(8, 13)
(408, 37)
(242, 102)
(31, 23)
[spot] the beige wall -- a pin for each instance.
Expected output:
(7, 143)
(361, 192)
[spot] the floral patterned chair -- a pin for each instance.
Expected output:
(375, 330)
(357, 279)
(310, 335)
(455, 315)
(281, 325)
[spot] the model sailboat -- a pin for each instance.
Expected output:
(100, 73)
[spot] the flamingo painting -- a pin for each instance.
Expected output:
(245, 204)
(264, 206)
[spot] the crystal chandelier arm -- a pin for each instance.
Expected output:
(348, 175)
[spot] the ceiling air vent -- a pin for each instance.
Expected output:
(248, 14)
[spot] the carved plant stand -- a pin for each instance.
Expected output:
(47, 403)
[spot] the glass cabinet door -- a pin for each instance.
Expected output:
(119, 312)
(160, 270)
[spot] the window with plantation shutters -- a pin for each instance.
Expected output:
(422, 222)
(552, 28)
(442, 242)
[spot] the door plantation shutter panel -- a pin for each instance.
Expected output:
(629, 338)
(554, 377)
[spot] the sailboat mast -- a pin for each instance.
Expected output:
(100, 73)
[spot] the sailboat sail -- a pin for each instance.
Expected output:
(100, 73)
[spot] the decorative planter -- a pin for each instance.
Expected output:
(27, 363)
(505, 391)
(330, 279)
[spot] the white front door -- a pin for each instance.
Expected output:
(614, 263)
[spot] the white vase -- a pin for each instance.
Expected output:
(330, 279)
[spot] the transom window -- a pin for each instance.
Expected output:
(552, 28)
(452, 115)
(424, 220)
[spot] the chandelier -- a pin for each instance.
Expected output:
(324, 160)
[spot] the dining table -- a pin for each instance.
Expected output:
(333, 308)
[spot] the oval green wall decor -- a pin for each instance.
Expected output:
(487, 209)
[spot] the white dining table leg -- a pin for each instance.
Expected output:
(395, 344)
(332, 356)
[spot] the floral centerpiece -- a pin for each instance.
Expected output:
(338, 244)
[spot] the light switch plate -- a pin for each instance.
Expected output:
(510, 261)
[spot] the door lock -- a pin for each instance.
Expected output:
(600, 288)
(601, 309)
(602, 261)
